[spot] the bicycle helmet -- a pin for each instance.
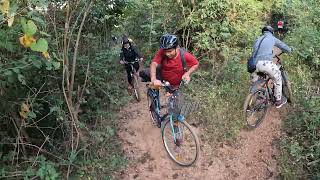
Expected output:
(168, 41)
(267, 28)
(125, 40)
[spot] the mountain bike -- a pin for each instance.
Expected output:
(179, 139)
(261, 97)
(135, 80)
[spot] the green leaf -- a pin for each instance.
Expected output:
(16, 70)
(72, 157)
(22, 79)
(54, 55)
(39, 3)
(30, 172)
(40, 46)
(32, 115)
(8, 73)
(10, 77)
(23, 22)
(44, 33)
(110, 131)
(41, 172)
(48, 66)
(37, 63)
(56, 65)
(29, 28)
(54, 109)
(39, 20)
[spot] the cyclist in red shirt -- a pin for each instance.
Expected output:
(167, 64)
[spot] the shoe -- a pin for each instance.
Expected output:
(281, 102)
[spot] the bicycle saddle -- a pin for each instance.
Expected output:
(263, 75)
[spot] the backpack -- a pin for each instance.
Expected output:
(183, 60)
(252, 61)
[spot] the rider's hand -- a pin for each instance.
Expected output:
(186, 78)
(121, 62)
(157, 82)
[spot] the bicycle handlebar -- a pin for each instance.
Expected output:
(166, 85)
(135, 61)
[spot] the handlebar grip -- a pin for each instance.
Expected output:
(152, 86)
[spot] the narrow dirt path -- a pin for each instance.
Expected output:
(253, 156)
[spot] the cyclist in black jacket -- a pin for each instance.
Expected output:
(129, 53)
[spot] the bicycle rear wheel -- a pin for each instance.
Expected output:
(255, 108)
(136, 88)
(185, 150)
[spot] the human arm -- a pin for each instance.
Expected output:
(285, 48)
(186, 76)
(121, 61)
(193, 65)
(156, 61)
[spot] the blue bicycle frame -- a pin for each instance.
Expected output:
(155, 95)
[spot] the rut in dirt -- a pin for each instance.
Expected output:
(252, 156)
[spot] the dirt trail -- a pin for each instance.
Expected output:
(253, 156)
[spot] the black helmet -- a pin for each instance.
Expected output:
(168, 41)
(267, 28)
(125, 40)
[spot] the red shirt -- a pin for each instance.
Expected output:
(172, 69)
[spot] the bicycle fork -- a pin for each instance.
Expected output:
(176, 130)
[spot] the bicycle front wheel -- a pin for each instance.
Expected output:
(136, 88)
(255, 108)
(181, 142)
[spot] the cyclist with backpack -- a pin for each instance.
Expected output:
(261, 61)
(129, 53)
(171, 63)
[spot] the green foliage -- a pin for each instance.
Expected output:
(41, 169)
(8, 41)
(301, 143)
(28, 27)
(300, 146)
(210, 24)
(40, 46)
(31, 81)
(47, 170)
(221, 97)
(219, 33)
(305, 33)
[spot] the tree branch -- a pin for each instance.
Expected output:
(74, 60)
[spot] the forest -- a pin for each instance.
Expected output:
(62, 88)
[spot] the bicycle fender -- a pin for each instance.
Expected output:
(257, 85)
